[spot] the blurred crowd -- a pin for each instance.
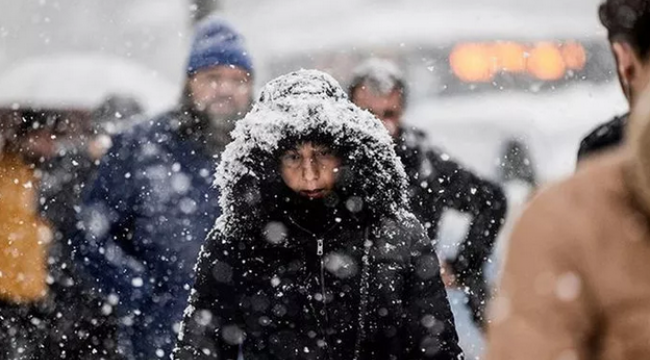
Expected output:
(319, 238)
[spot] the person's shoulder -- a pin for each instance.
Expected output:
(577, 216)
(416, 139)
(149, 129)
(598, 177)
(413, 138)
(592, 192)
(144, 139)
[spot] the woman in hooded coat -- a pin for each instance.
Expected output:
(316, 255)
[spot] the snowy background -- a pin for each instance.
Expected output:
(151, 38)
(71, 53)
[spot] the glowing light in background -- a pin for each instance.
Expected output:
(473, 62)
(511, 56)
(574, 55)
(547, 61)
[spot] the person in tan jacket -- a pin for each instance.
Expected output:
(44, 314)
(24, 235)
(576, 283)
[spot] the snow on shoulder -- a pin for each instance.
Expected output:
(296, 105)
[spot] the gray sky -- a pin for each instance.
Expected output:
(142, 30)
(156, 33)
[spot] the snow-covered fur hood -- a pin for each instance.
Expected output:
(304, 105)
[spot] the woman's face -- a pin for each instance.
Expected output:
(309, 169)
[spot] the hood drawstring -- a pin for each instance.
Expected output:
(363, 302)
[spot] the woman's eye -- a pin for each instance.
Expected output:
(291, 157)
(324, 152)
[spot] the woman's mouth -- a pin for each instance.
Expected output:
(313, 194)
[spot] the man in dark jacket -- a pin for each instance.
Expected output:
(315, 255)
(436, 182)
(627, 39)
(152, 204)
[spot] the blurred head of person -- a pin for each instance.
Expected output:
(310, 169)
(114, 111)
(628, 26)
(34, 139)
(219, 86)
(110, 118)
(516, 163)
(378, 86)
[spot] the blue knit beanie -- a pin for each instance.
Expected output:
(217, 43)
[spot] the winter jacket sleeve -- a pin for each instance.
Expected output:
(543, 309)
(104, 244)
(431, 326)
(209, 329)
(483, 200)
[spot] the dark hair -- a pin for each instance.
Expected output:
(628, 21)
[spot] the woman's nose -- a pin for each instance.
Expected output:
(309, 170)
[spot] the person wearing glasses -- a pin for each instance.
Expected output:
(315, 255)
(436, 182)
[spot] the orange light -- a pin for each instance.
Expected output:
(574, 55)
(473, 62)
(545, 62)
(511, 57)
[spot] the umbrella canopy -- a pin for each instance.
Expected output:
(83, 81)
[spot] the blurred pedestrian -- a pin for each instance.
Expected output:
(76, 159)
(621, 32)
(37, 320)
(24, 238)
(148, 212)
(315, 255)
(436, 182)
(64, 176)
(577, 280)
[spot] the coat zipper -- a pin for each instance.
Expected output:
(320, 251)
(363, 301)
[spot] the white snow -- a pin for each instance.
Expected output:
(297, 26)
(83, 80)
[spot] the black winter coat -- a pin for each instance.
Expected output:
(604, 137)
(273, 295)
(437, 183)
(352, 277)
(69, 324)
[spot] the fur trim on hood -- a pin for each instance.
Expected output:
(300, 106)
